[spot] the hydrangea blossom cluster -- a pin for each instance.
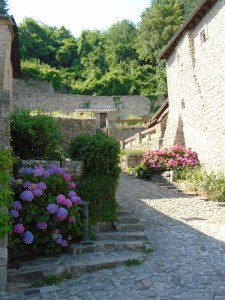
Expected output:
(176, 157)
(37, 187)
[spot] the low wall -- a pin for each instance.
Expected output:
(75, 168)
(71, 128)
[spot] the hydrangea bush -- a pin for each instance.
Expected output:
(45, 211)
(173, 158)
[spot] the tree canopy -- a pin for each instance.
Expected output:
(118, 61)
(3, 7)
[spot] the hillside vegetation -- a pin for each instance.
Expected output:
(123, 60)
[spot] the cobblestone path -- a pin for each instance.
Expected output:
(188, 261)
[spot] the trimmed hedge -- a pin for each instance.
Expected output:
(100, 155)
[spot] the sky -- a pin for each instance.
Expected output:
(78, 15)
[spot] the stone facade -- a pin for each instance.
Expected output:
(196, 88)
(40, 95)
(6, 35)
(70, 128)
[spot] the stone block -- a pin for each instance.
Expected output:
(3, 257)
(3, 280)
(75, 169)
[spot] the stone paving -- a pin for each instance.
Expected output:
(188, 261)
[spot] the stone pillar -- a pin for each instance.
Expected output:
(6, 35)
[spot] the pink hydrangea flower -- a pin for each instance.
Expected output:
(66, 177)
(72, 219)
(72, 185)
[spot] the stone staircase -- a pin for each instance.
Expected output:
(124, 235)
(113, 244)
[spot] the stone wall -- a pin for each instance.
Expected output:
(196, 87)
(38, 95)
(5, 106)
(71, 128)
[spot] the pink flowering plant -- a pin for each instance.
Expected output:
(46, 211)
(174, 158)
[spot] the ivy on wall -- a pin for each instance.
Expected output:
(6, 194)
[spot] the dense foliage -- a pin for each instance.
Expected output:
(3, 7)
(34, 137)
(119, 61)
(45, 211)
(101, 160)
(6, 193)
(212, 185)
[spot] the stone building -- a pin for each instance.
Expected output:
(195, 61)
(9, 68)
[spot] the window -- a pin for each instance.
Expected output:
(203, 35)
(179, 58)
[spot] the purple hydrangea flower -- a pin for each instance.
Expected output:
(17, 205)
(42, 186)
(18, 228)
(61, 214)
(60, 199)
(27, 196)
(67, 202)
(37, 192)
(66, 177)
(52, 208)
(51, 172)
(58, 240)
(59, 171)
(56, 230)
(46, 174)
(71, 194)
(72, 219)
(14, 213)
(28, 237)
(76, 200)
(28, 171)
(26, 184)
(39, 171)
(13, 181)
(64, 243)
(42, 225)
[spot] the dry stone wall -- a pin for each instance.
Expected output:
(196, 87)
(38, 95)
(70, 128)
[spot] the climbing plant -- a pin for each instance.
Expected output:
(6, 194)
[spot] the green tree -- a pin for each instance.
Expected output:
(4, 7)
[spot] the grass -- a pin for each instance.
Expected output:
(133, 262)
(51, 280)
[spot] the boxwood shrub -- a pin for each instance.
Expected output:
(100, 155)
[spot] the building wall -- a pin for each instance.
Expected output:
(38, 95)
(5, 106)
(196, 88)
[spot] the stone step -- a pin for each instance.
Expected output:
(124, 211)
(103, 226)
(129, 227)
(120, 236)
(36, 269)
(105, 245)
(123, 219)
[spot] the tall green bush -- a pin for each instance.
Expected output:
(6, 193)
(34, 137)
(100, 155)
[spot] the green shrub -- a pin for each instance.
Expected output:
(100, 155)
(6, 193)
(35, 137)
(100, 192)
(210, 184)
